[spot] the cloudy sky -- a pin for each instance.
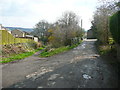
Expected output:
(26, 13)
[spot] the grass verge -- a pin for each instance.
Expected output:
(20, 56)
(57, 50)
(104, 49)
(108, 53)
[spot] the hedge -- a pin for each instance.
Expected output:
(115, 26)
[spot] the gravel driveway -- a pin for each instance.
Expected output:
(81, 67)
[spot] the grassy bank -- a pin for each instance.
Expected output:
(108, 53)
(57, 50)
(19, 56)
(105, 48)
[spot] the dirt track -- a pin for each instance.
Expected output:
(81, 67)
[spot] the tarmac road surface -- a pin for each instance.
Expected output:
(81, 67)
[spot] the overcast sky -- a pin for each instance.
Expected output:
(26, 13)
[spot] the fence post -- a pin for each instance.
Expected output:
(14, 41)
(8, 37)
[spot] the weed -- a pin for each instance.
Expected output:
(19, 56)
(52, 52)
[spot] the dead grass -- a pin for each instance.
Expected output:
(9, 50)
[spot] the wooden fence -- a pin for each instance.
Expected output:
(6, 38)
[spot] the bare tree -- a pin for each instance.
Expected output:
(69, 23)
(101, 19)
(40, 30)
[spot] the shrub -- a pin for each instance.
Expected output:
(32, 45)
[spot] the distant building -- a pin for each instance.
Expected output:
(19, 33)
(90, 34)
(35, 38)
(23, 34)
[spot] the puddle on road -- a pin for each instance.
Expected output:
(83, 45)
(85, 76)
(80, 47)
(61, 77)
(51, 83)
(39, 87)
(75, 52)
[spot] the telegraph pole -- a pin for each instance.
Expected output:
(81, 23)
(81, 26)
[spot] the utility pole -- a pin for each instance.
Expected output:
(81, 23)
(81, 27)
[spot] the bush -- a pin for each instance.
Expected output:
(32, 45)
(50, 52)
(115, 26)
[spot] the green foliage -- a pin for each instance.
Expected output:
(100, 23)
(47, 53)
(104, 49)
(41, 30)
(16, 57)
(50, 53)
(20, 56)
(39, 49)
(111, 41)
(61, 32)
(32, 44)
(115, 26)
